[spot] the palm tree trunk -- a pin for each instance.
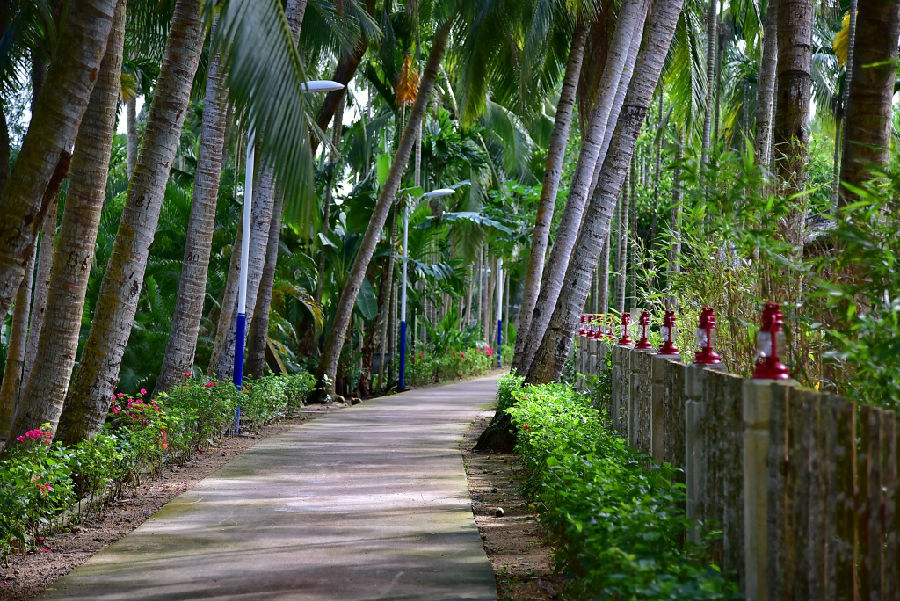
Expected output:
(131, 135)
(765, 91)
(41, 282)
(790, 131)
(4, 149)
(179, 355)
(675, 222)
(622, 253)
(657, 165)
(711, 43)
(43, 392)
(221, 363)
(328, 364)
(554, 348)
(259, 326)
(617, 73)
(603, 278)
(336, 132)
(868, 122)
(556, 152)
(98, 371)
(50, 135)
(15, 352)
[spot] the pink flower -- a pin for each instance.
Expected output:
(20, 438)
(462, 355)
(143, 391)
(187, 374)
(34, 434)
(209, 384)
(115, 409)
(45, 550)
(120, 395)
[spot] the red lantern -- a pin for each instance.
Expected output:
(644, 322)
(581, 330)
(668, 334)
(625, 340)
(770, 345)
(706, 332)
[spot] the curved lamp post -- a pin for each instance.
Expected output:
(441, 192)
(240, 323)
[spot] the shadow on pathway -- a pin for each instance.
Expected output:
(366, 503)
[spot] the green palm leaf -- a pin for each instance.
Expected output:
(265, 82)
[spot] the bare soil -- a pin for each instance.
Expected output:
(26, 575)
(516, 544)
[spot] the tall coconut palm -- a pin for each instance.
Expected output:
(328, 364)
(869, 110)
(95, 379)
(179, 354)
(617, 72)
(556, 151)
(44, 390)
(15, 352)
(711, 46)
(790, 124)
(52, 131)
(554, 348)
(765, 90)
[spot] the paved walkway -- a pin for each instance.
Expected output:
(366, 503)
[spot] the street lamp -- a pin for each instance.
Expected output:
(439, 193)
(240, 323)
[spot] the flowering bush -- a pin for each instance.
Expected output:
(425, 368)
(40, 478)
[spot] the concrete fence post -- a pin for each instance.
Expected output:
(694, 445)
(757, 410)
(658, 404)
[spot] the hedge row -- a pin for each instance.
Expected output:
(39, 479)
(618, 520)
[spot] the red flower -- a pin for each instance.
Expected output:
(209, 384)
(462, 355)
(187, 374)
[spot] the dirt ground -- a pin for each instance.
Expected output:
(26, 576)
(515, 543)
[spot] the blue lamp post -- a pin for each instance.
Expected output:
(401, 384)
(240, 323)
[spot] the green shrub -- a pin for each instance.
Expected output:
(619, 521)
(40, 478)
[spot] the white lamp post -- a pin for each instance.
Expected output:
(433, 194)
(241, 321)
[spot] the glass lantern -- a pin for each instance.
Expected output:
(668, 334)
(644, 323)
(625, 327)
(706, 338)
(771, 345)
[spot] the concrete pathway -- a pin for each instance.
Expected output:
(365, 503)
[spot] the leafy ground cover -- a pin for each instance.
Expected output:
(40, 479)
(617, 520)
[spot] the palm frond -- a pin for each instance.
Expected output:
(265, 79)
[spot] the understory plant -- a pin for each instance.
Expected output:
(618, 521)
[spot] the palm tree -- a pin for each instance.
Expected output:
(869, 110)
(95, 379)
(44, 391)
(554, 348)
(179, 354)
(556, 151)
(329, 362)
(51, 133)
(765, 91)
(617, 74)
(711, 45)
(790, 130)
